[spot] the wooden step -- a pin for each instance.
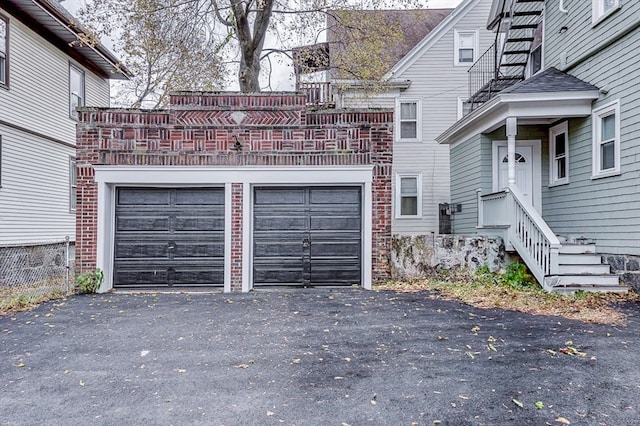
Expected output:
(514, 64)
(584, 269)
(579, 259)
(569, 284)
(567, 248)
(572, 280)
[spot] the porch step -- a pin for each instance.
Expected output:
(567, 248)
(579, 259)
(570, 283)
(584, 269)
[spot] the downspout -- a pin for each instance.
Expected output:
(561, 7)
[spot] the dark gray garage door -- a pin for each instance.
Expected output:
(169, 237)
(307, 236)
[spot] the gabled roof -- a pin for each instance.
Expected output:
(59, 27)
(413, 25)
(550, 80)
(428, 41)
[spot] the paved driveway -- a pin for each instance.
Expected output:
(311, 357)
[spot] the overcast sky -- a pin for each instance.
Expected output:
(282, 78)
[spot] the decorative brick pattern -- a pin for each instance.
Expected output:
(236, 236)
(232, 129)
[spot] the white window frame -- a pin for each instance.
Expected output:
(456, 41)
(398, 195)
(399, 120)
(4, 54)
(73, 114)
(598, 13)
(562, 128)
(73, 184)
(612, 108)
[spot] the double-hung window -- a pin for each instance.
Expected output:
(4, 51)
(408, 113)
(603, 8)
(606, 140)
(559, 154)
(76, 90)
(408, 196)
(466, 47)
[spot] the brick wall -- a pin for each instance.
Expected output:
(231, 129)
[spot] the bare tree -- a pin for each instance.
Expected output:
(201, 32)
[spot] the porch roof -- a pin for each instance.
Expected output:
(542, 99)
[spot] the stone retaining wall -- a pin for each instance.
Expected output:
(628, 267)
(420, 256)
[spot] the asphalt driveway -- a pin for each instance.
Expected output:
(311, 357)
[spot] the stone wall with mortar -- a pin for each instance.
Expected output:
(419, 256)
(628, 267)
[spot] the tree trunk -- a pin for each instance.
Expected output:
(251, 39)
(249, 73)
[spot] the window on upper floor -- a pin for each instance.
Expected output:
(559, 154)
(73, 183)
(4, 51)
(603, 8)
(606, 140)
(408, 196)
(466, 47)
(76, 90)
(408, 113)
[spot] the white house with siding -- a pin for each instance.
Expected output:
(45, 73)
(548, 156)
(425, 87)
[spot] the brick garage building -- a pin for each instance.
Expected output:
(236, 191)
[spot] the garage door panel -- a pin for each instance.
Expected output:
(280, 248)
(199, 197)
(335, 223)
(316, 238)
(286, 271)
(198, 223)
(142, 223)
(328, 196)
(276, 196)
(176, 242)
(270, 223)
(144, 197)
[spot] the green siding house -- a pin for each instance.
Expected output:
(548, 156)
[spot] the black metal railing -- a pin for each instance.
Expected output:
(483, 72)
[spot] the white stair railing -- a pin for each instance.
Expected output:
(532, 238)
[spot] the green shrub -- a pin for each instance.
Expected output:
(89, 282)
(517, 276)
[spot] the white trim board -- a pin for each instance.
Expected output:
(109, 178)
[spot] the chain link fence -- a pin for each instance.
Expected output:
(36, 272)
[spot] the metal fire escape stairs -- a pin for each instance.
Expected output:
(559, 266)
(508, 57)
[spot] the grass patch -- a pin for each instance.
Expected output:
(487, 290)
(25, 297)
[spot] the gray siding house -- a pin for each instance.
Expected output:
(46, 71)
(548, 155)
(424, 83)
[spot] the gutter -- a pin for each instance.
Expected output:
(56, 16)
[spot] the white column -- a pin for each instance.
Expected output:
(512, 131)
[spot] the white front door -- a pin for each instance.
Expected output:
(524, 170)
(528, 169)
